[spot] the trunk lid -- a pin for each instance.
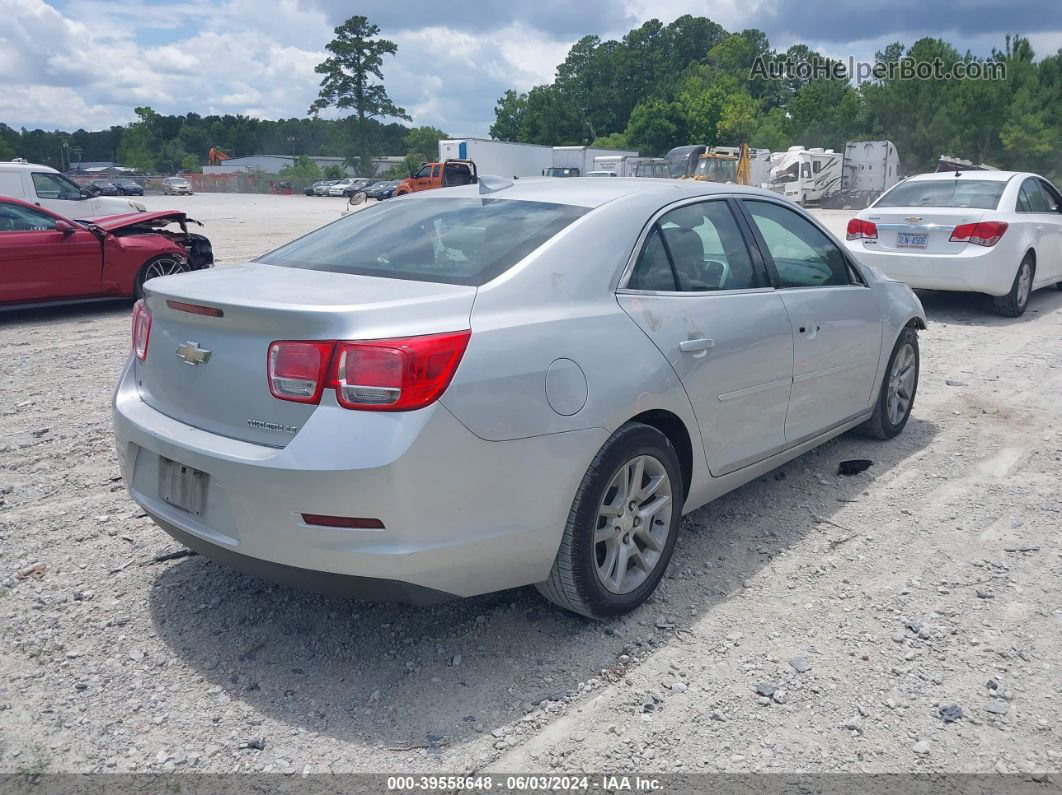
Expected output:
(228, 394)
(900, 228)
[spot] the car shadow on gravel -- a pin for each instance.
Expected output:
(975, 309)
(87, 312)
(406, 677)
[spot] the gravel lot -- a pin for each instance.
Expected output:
(866, 603)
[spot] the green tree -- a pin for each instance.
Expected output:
(655, 126)
(333, 172)
(509, 116)
(191, 164)
(350, 83)
(303, 168)
(7, 152)
(611, 141)
(423, 142)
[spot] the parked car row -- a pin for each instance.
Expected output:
(340, 187)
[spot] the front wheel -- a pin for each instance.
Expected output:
(1013, 304)
(163, 265)
(898, 387)
(622, 526)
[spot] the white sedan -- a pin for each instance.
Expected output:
(994, 232)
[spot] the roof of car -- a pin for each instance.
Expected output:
(22, 164)
(992, 176)
(593, 192)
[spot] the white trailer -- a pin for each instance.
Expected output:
(500, 158)
(633, 166)
(825, 177)
(567, 158)
(869, 169)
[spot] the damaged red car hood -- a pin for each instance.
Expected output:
(109, 223)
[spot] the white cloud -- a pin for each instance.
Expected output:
(87, 63)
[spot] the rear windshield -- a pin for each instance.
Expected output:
(454, 241)
(981, 194)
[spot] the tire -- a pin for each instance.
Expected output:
(1014, 303)
(162, 265)
(577, 581)
(883, 423)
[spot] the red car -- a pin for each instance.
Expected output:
(45, 257)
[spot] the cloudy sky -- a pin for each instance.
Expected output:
(86, 63)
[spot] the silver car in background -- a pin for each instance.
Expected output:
(490, 386)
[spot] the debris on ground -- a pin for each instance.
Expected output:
(951, 714)
(854, 466)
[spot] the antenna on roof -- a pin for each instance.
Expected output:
(488, 183)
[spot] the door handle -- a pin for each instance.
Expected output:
(692, 346)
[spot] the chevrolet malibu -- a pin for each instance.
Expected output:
(993, 232)
(501, 384)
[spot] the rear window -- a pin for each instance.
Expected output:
(980, 194)
(454, 241)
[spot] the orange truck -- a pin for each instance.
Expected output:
(444, 174)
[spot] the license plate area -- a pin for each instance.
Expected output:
(911, 240)
(182, 486)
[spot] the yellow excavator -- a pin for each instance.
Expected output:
(725, 164)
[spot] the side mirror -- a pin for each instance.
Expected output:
(412, 174)
(64, 227)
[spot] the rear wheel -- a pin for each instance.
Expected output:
(1013, 303)
(162, 265)
(896, 398)
(622, 526)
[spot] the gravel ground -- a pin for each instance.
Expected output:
(857, 606)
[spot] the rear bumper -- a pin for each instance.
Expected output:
(462, 516)
(368, 588)
(976, 269)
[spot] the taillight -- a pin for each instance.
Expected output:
(858, 228)
(984, 233)
(141, 329)
(372, 375)
(397, 374)
(297, 370)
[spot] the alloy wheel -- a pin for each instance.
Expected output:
(164, 266)
(901, 384)
(633, 522)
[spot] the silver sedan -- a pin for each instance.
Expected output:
(496, 385)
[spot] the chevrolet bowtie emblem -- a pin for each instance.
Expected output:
(913, 219)
(191, 353)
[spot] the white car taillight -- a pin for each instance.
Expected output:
(141, 329)
(297, 370)
(858, 228)
(984, 233)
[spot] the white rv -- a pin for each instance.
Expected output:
(825, 177)
(806, 175)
